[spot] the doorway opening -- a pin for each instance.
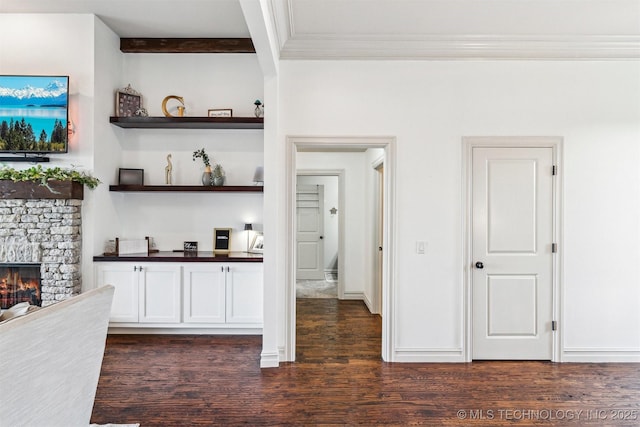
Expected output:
(358, 245)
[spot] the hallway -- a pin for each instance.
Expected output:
(316, 289)
(336, 331)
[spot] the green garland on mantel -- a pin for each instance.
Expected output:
(38, 173)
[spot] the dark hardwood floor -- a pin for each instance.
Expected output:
(339, 379)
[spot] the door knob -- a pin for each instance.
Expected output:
(321, 237)
(479, 265)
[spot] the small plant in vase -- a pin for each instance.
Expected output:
(207, 176)
(218, 174)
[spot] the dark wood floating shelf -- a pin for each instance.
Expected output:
(188, 122)
(189, 188)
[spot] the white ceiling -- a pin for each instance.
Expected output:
(149, 18)
(458, 29)
(365, 29)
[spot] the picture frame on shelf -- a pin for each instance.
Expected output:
(128, 102)
(221, 241)
(220, 112)
(257, 245)
(128, 176)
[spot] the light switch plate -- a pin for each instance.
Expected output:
(421, 247)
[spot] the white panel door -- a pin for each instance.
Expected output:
(160, 293)
(310, 229)
(512, 286)
(204, 293)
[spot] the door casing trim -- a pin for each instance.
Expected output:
(468, 144)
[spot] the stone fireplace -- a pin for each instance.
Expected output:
(42, 225)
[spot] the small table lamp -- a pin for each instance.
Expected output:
(258, 176)
(248, 228)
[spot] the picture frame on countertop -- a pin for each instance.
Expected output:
(132, 246)
(257, 245)
(190, 248)
(221, 241)
(220, 112)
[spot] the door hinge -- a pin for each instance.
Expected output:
(554, 170)
(554, 325)
(554, 248)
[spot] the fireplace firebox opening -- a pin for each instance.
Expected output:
(20, 283)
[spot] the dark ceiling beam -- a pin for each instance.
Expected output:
(186, 45)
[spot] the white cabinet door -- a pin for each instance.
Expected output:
(244, 293)
(190, 293)
(160, 293)
(204, 293)
(124, 279)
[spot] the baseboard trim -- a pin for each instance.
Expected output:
(353, 295)
(368, 304)
(269, 360)
(601, 355)
(428, 355)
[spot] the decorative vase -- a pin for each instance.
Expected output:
(259, 110)
(218, 180)
(207, 176)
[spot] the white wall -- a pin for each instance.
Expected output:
(56, 44)
(99, 223)
(330, 222)
(429, 107)
(62, 44)
(205, 82)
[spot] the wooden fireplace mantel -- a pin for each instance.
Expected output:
(34, 190)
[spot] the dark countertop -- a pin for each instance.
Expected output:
(169, 256)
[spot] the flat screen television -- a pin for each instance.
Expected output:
(34, 114)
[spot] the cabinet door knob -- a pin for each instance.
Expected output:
(222, 269)
(228, 269)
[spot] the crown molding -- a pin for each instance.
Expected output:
(463, 47)
(296, 44)
(282, 15)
